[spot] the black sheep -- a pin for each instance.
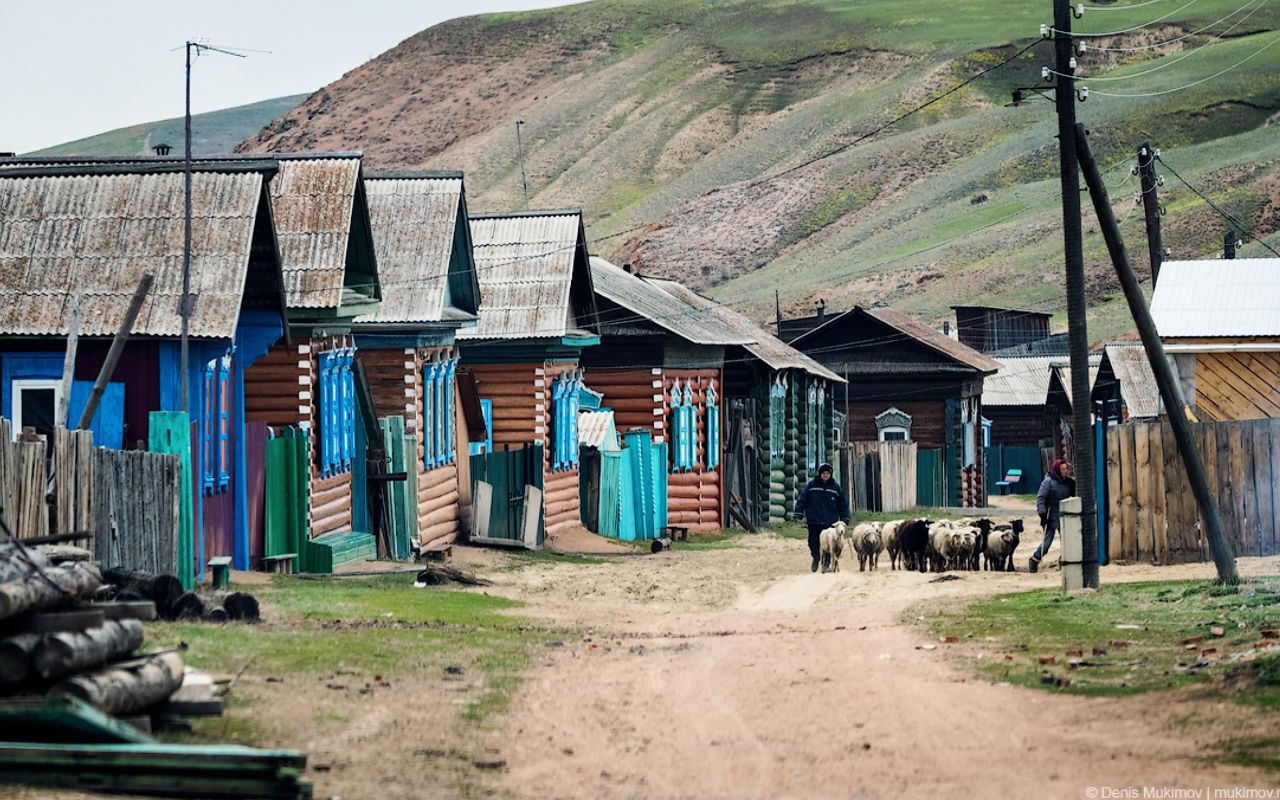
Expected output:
(984, 532)
(1017, 537)
(913, 537)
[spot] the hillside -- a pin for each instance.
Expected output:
(211, 132)
(663, 119)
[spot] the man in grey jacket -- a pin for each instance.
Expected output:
(1057, 486)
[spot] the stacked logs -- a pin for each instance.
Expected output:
(54, 640)
(172, 603)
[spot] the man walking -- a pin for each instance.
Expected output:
(822, 504)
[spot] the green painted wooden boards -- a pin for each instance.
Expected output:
(324, 553)
(288, 486)
(171, 433)
(402, 456)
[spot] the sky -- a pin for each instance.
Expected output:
(75, 68)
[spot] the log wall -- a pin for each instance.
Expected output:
(560, 501)
(635, 395)
(694, 497)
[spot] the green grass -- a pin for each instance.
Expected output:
(1028, 625)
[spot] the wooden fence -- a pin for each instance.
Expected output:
(1151, 512)
(29, 472)
(882, 475)
(136, 509)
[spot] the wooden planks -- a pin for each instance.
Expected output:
(137, 510)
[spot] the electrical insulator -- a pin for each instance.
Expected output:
(1081, 48)
(1159, 180)
(1071, 62)
(1083, 93)
(1044, 31)
(1044, 73)
(1079, 10)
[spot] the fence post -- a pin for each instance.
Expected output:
(1072, 533)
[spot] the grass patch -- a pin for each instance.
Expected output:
(528, 558)
(719, 540)
(1160, 653)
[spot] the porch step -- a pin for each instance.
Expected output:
(332, 550)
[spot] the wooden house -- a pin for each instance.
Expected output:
(1015, 402)
(906, 382)
(1125, 388)
(428, 279)
(537, 313)
(1060, 401)
(660, 367)
(780, 419)
(330, 278)
(988, 329)
(75, 239)
(1219, 322)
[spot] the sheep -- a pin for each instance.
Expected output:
(867, 543)
(913, 543)
(966, 546)
(831, 544)
(1000, 546)
(944, 545)
(889, 535)
(980, 546)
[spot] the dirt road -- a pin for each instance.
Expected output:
(738, 674)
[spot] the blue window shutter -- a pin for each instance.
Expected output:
(557, 424)
(428, 413)
(450, 414)
(349, 405)
(210, 408)
(437, 431)
(574, 400)
(326, 413)
(224, 422)
(108, 421)
(486, 409)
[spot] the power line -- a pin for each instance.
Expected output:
(1219, 74)
(1079, 35)
(1240, 226)
(1176, 39)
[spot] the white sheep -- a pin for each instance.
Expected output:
(868, 542)
(889, 536)
(831, 544)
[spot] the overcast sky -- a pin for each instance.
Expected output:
(74, 68)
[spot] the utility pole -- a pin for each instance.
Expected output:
(524, 183)
(1229, 244)
(1077, 333)
(1151, 209)
(1170, 391)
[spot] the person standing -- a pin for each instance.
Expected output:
(1057, 486)
(822, 504)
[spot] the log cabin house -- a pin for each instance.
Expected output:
(780, 414)
(537, 313)
(76, 236)
(660, 368)
(428, 279)
(1219, 322)
(1015, 402)
(330, 277)
(906, 382)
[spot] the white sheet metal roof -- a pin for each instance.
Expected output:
(650, 302)
(1223, 298)
(1021, 381)
(524, 264)
(1137, 382)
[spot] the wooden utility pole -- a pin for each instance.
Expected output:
(69, 362)
(1229, 244)
(1170, 391)
(184, 302)
(1151, 209)
(117, 347)
(1077, 333)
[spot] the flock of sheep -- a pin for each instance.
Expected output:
(923, 545)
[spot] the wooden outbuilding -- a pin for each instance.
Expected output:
(1015, 402)
(1125, 388)
(537, 313)
(1060, 401)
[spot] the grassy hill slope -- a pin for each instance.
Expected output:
(664, 119)
(211, 132)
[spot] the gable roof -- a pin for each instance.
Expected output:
(322, 224)
(1220, 298)
(642, 298)
(914, 329)
(1021, 381)
(1061, 374)
(1138, 386)
(94, 230)
(527, 265)
(771, 350)
(423, 246)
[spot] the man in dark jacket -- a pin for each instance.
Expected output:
(1057, 486)
(822, 504)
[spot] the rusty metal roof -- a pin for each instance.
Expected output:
(650, 302)
(314, 201)
(1021, 381)
(1225, 298)
(774, 352)
(96, 234)
(415, 220)
(526, 265)
(1138, 386)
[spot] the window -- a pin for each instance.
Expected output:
(564, 420)
(893, 434)
(684, 427)
(821, 411)
(811, 432)
(893, 425)
(439, 446)
(713, 427)
(486, 409)
(429, 414)
(215, 425)
(337, 411)
(777, 417)
(35, 405)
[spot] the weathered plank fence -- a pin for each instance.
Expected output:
(23, 481)
(136, 509)
(1151, 513)
(883, 475)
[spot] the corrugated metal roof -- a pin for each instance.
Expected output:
(524, 264)
(597, 429)
(1137, 382)
(97, 234)
(774, 352)
(312, 199)
(1021, 381)
(662, 308)
(1063, 370)
(414, 220)
(934, 338)
(1221, 298)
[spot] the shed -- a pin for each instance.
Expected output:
(1060, 400)
(987, 329)
(1125, 387)
(1015, 400)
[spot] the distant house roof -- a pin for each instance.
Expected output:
(322, 225)
(532, 270)
(1052, 345)
(771, 350)
(1021, 381)
(94, 230)
(644, 299)
(1225, 298)
(1061, 371)
(423, 246)
(911, 328)
(1137, 382)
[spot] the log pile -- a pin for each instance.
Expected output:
(171, 602)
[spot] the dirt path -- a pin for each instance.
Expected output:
(799, 685)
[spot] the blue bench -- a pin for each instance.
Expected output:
(1011, 480)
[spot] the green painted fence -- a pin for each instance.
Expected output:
(1002, 458)
(402, 456)
(508, 471)
(170, 432)
(288, 480)
(931, 485)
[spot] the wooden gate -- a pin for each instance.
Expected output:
(509, 471)
(884, 475)
(288, 481)
(1151, 512)
(931, 481)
